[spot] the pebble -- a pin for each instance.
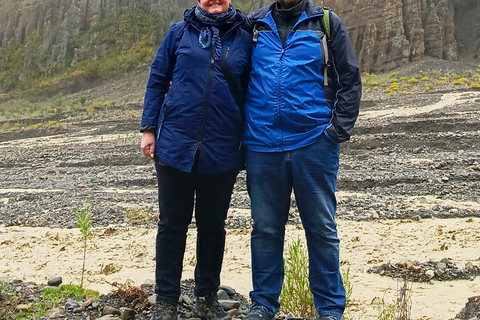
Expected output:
(55, 282)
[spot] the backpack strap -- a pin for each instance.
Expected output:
(324, 40)
(326, 21)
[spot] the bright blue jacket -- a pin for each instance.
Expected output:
(287, 105)
(197, 113)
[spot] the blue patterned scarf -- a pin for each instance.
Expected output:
(210, 34)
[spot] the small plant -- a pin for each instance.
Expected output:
(296, 296)
(401, 309)
(83, 100)
(138, 216)
(425, 78)
(84, 223)
(386, 311)
(404, 93)
(413, 80)
(475, 85)
(348, 285)
(404, 301)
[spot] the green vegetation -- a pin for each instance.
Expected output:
(401, 308)
(429, 81)
(139, 216)
(51, 297)
(116, 45)
(296, 296)
(83, 218)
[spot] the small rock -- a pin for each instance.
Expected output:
(229, 290)
(24, 307)
(222, 295)
(111, 310)
(55, 282)
(229, 304)
(71, 305)
(233, 312)
(108, 317)
(430, 274)
(186, 300)
(290, 316)
(127, 313)
(152, 299)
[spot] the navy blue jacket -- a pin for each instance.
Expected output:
(288, 105)
(197, 113)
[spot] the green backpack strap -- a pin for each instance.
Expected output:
(326, 21)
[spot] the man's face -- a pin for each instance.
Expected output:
(214, 6)
(287, 4)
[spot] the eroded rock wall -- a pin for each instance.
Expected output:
(385, 33)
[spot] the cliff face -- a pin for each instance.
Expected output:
(388, 34)
(385, 33)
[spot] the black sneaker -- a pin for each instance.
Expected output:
(258, 312)
(164, 311)
(327, 318)
(208, 308)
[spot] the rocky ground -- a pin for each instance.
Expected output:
(412, 157)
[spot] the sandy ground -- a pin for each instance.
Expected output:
(38, 254)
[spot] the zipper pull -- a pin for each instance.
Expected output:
(281, 56)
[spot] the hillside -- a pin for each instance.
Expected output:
(53, 46)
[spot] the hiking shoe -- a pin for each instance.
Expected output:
(258, 312)
(327, 318)
(164, 311)
(208, 308)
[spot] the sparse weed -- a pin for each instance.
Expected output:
(139, 216)
(296, 296)
(83, 100)
(83, 218)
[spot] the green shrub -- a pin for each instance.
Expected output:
(296, 296)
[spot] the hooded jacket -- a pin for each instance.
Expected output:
(196, 116)
(288, 105)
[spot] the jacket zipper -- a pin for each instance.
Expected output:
(205, 106)
(165, 112)
(198, 148)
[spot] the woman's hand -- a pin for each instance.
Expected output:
(148, 145)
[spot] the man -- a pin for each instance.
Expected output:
(295, 119)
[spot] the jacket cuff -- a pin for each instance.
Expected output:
(332, 134)
(148, 127)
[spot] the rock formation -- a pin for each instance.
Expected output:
(385, 34)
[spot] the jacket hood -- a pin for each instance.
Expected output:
(190, 18)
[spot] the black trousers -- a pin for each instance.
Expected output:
(178, 193)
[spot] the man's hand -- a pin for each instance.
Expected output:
(148, 145)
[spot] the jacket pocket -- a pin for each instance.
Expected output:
(165, 110)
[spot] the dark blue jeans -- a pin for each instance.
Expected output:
(178, 194)
(312, 173)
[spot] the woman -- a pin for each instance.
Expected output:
(192, 129)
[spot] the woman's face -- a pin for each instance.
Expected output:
(214, 6)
